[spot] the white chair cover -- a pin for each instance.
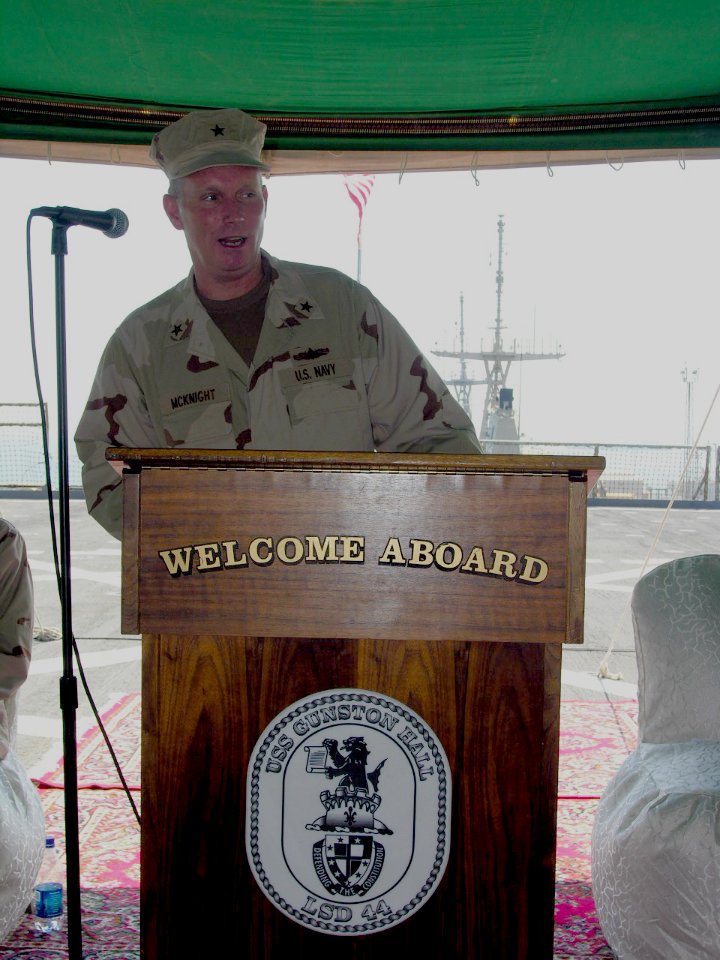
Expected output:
(22, 825)
(22, 842)
(656, 838)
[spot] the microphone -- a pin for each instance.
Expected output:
(113, 223)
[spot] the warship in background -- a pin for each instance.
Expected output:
(498, 430)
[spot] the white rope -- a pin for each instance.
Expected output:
(402, 168)
(603, 670)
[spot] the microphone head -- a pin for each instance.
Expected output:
(119, 225)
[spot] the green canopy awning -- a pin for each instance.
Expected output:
(361, 75)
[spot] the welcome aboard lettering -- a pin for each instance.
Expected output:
(418, 553)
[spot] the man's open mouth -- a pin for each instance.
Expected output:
(233, 241)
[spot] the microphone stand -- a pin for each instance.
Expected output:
(68, 683)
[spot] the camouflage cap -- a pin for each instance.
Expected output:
(209, 138)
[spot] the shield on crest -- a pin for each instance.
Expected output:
(348, 865)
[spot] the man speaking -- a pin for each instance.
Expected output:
(249, 352)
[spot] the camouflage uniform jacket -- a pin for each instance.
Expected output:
(16, 627)
(333, 370)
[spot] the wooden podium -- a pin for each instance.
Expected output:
(447, 583)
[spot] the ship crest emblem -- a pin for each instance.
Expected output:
(366, 851)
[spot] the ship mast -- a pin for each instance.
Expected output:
(496, 375)
(464, 383)
(496, 362)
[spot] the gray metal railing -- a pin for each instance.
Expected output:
(640, 472)
(643, 472)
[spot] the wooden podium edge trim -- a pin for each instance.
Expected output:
(130, 601)
(577, 546)
(586, 468)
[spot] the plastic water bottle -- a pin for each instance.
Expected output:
(48, 905)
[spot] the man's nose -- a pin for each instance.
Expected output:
(233, 210)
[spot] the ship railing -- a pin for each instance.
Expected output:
(634, 473)
(638, 473)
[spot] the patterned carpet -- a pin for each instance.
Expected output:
(595, 738)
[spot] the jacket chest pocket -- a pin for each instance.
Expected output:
(319, 389)
(200, 417)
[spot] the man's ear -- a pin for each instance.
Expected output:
(172, 209)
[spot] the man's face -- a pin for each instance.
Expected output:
(222, 211)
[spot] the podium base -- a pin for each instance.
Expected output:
(495, 709)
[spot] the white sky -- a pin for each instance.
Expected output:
(619, 267)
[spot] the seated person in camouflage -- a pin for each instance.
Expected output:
(250, 352)
(22, 822)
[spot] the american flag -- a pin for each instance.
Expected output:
(359, 186)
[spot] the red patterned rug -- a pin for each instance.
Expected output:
(595, 737)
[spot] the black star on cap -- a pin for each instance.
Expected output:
(307, 307)
(177, 330)
(218, 131)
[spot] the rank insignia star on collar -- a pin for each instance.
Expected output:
(180, 331)
(298, 312)
(218, 131)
